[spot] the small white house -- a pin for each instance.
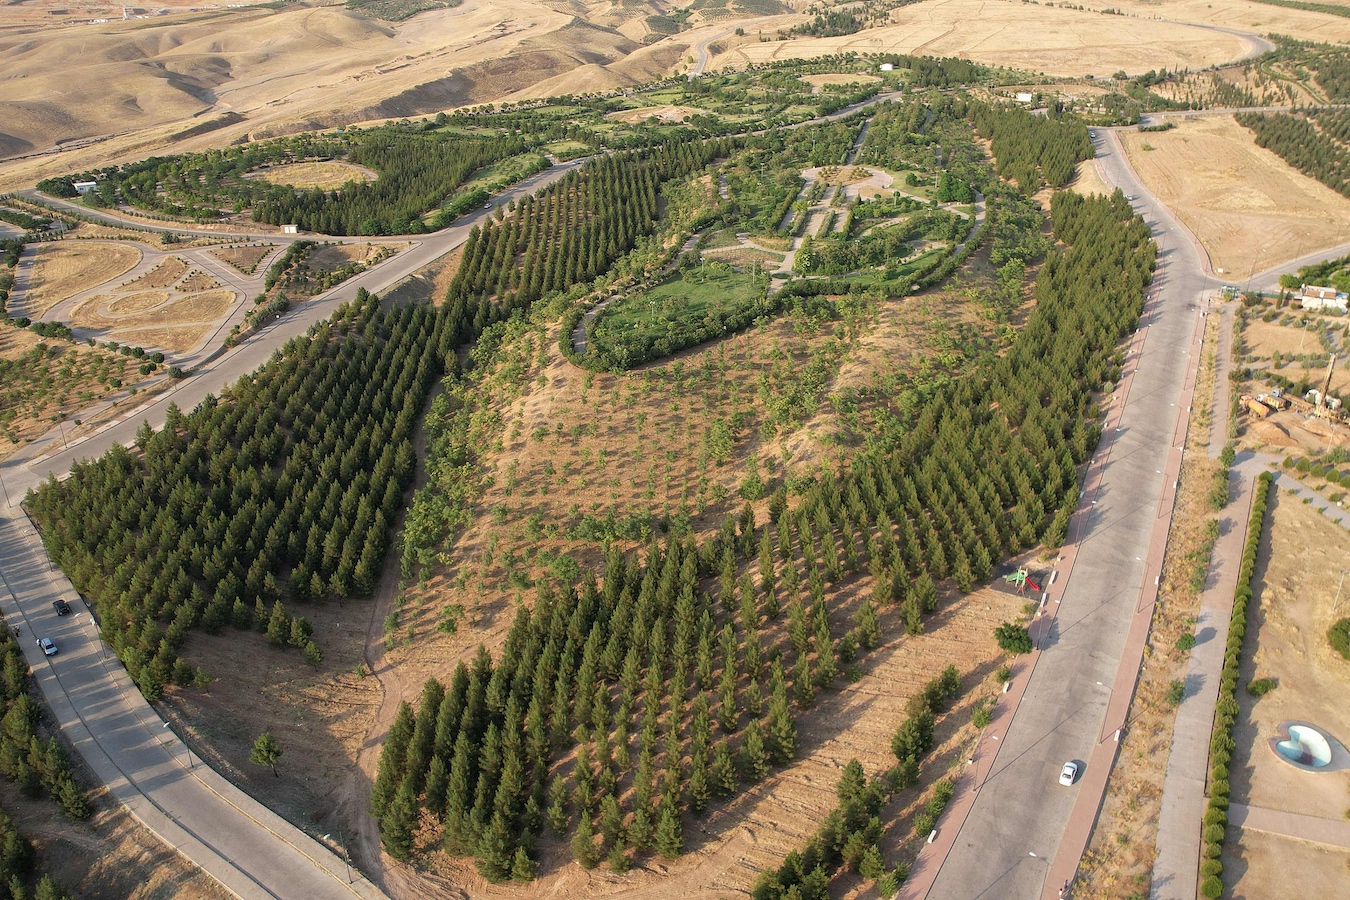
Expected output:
(1023, 97)
(290, 229)
(84, 187)
(1314, 296)
(888, 67)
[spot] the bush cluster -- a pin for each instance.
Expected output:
(1221, 743)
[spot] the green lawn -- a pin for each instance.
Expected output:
(677, 314)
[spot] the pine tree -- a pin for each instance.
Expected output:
(584, 849)
(781, 736)
(723, 771)
(396, 827)
(868, 625)
(522, 867)
(754, 755)
(669, 832)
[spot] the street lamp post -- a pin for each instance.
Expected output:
(185, 746)
(342, 842)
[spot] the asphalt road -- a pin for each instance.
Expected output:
(1021, 813)
(245, 847)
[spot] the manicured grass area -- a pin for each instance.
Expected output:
(676, 314)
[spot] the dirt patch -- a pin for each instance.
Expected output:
(198, 281)
(818, 82)
(1247, 206)
(744, 256)
(245, 259)
(328, 175)
(666, 113)
(107, 857)
(1297, 580)
(35, 393)
(1262, 340)
(62, 270)
(1089, 181)
(320, 716)
(1262, 865)
(162, 275)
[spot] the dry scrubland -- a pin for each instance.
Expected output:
(62, 270)
(38, 392)
(1247, 207)
(327, 175)
(1300, 564)
(1089, 180)
(277, 68)
(1027, 36)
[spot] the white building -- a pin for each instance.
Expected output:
(84, 187)
(1023, 97)
(1316, 297)
(888, 67)
(290, 229)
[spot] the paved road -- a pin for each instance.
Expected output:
(248, 849)
(1021, 815)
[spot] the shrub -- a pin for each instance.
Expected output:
(1339, 636)
(1212, 887)
(1176, 692)
(1013, 638)
(1185, 642)
(1211, 867)
(1259, 687)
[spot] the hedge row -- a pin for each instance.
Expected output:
(1226, 710)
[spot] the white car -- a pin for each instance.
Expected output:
(1069, 774)
(48, 647)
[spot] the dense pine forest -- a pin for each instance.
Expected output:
(260, 496)
(667, 680)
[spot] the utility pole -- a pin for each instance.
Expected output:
(1336, 601)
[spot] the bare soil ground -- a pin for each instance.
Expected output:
(34, 395)
(820, 81)
(667, 113)
(198, 281)
(328, 175)
(110, 856)
(162, 275)
(1298, 570)
(1248, 207)
(1119, 859)
(63, 269)
(1054, 41)
(245, 259)
(319, 716)
(1263, 865)
(1088, 181)
(1264, 339)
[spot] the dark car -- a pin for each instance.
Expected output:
(62, 607)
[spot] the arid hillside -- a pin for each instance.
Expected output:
(104, 89)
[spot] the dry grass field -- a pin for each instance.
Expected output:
(245, 259)
(666, 113)
(162, 275)
(35, 392)
(63, 269)
(1089, 181)
(1055, 41)
(1264, 339)
(820, 81)
(198, 281)
(1297, 575)
(328, 175)
(1249, 209)
(174, 323)
(1246, 15)
(127, 304)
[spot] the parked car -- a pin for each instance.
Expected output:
(62, 607)
(48, 647)
(1069, 774)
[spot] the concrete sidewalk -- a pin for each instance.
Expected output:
(1332, 832)
(1176, 866)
